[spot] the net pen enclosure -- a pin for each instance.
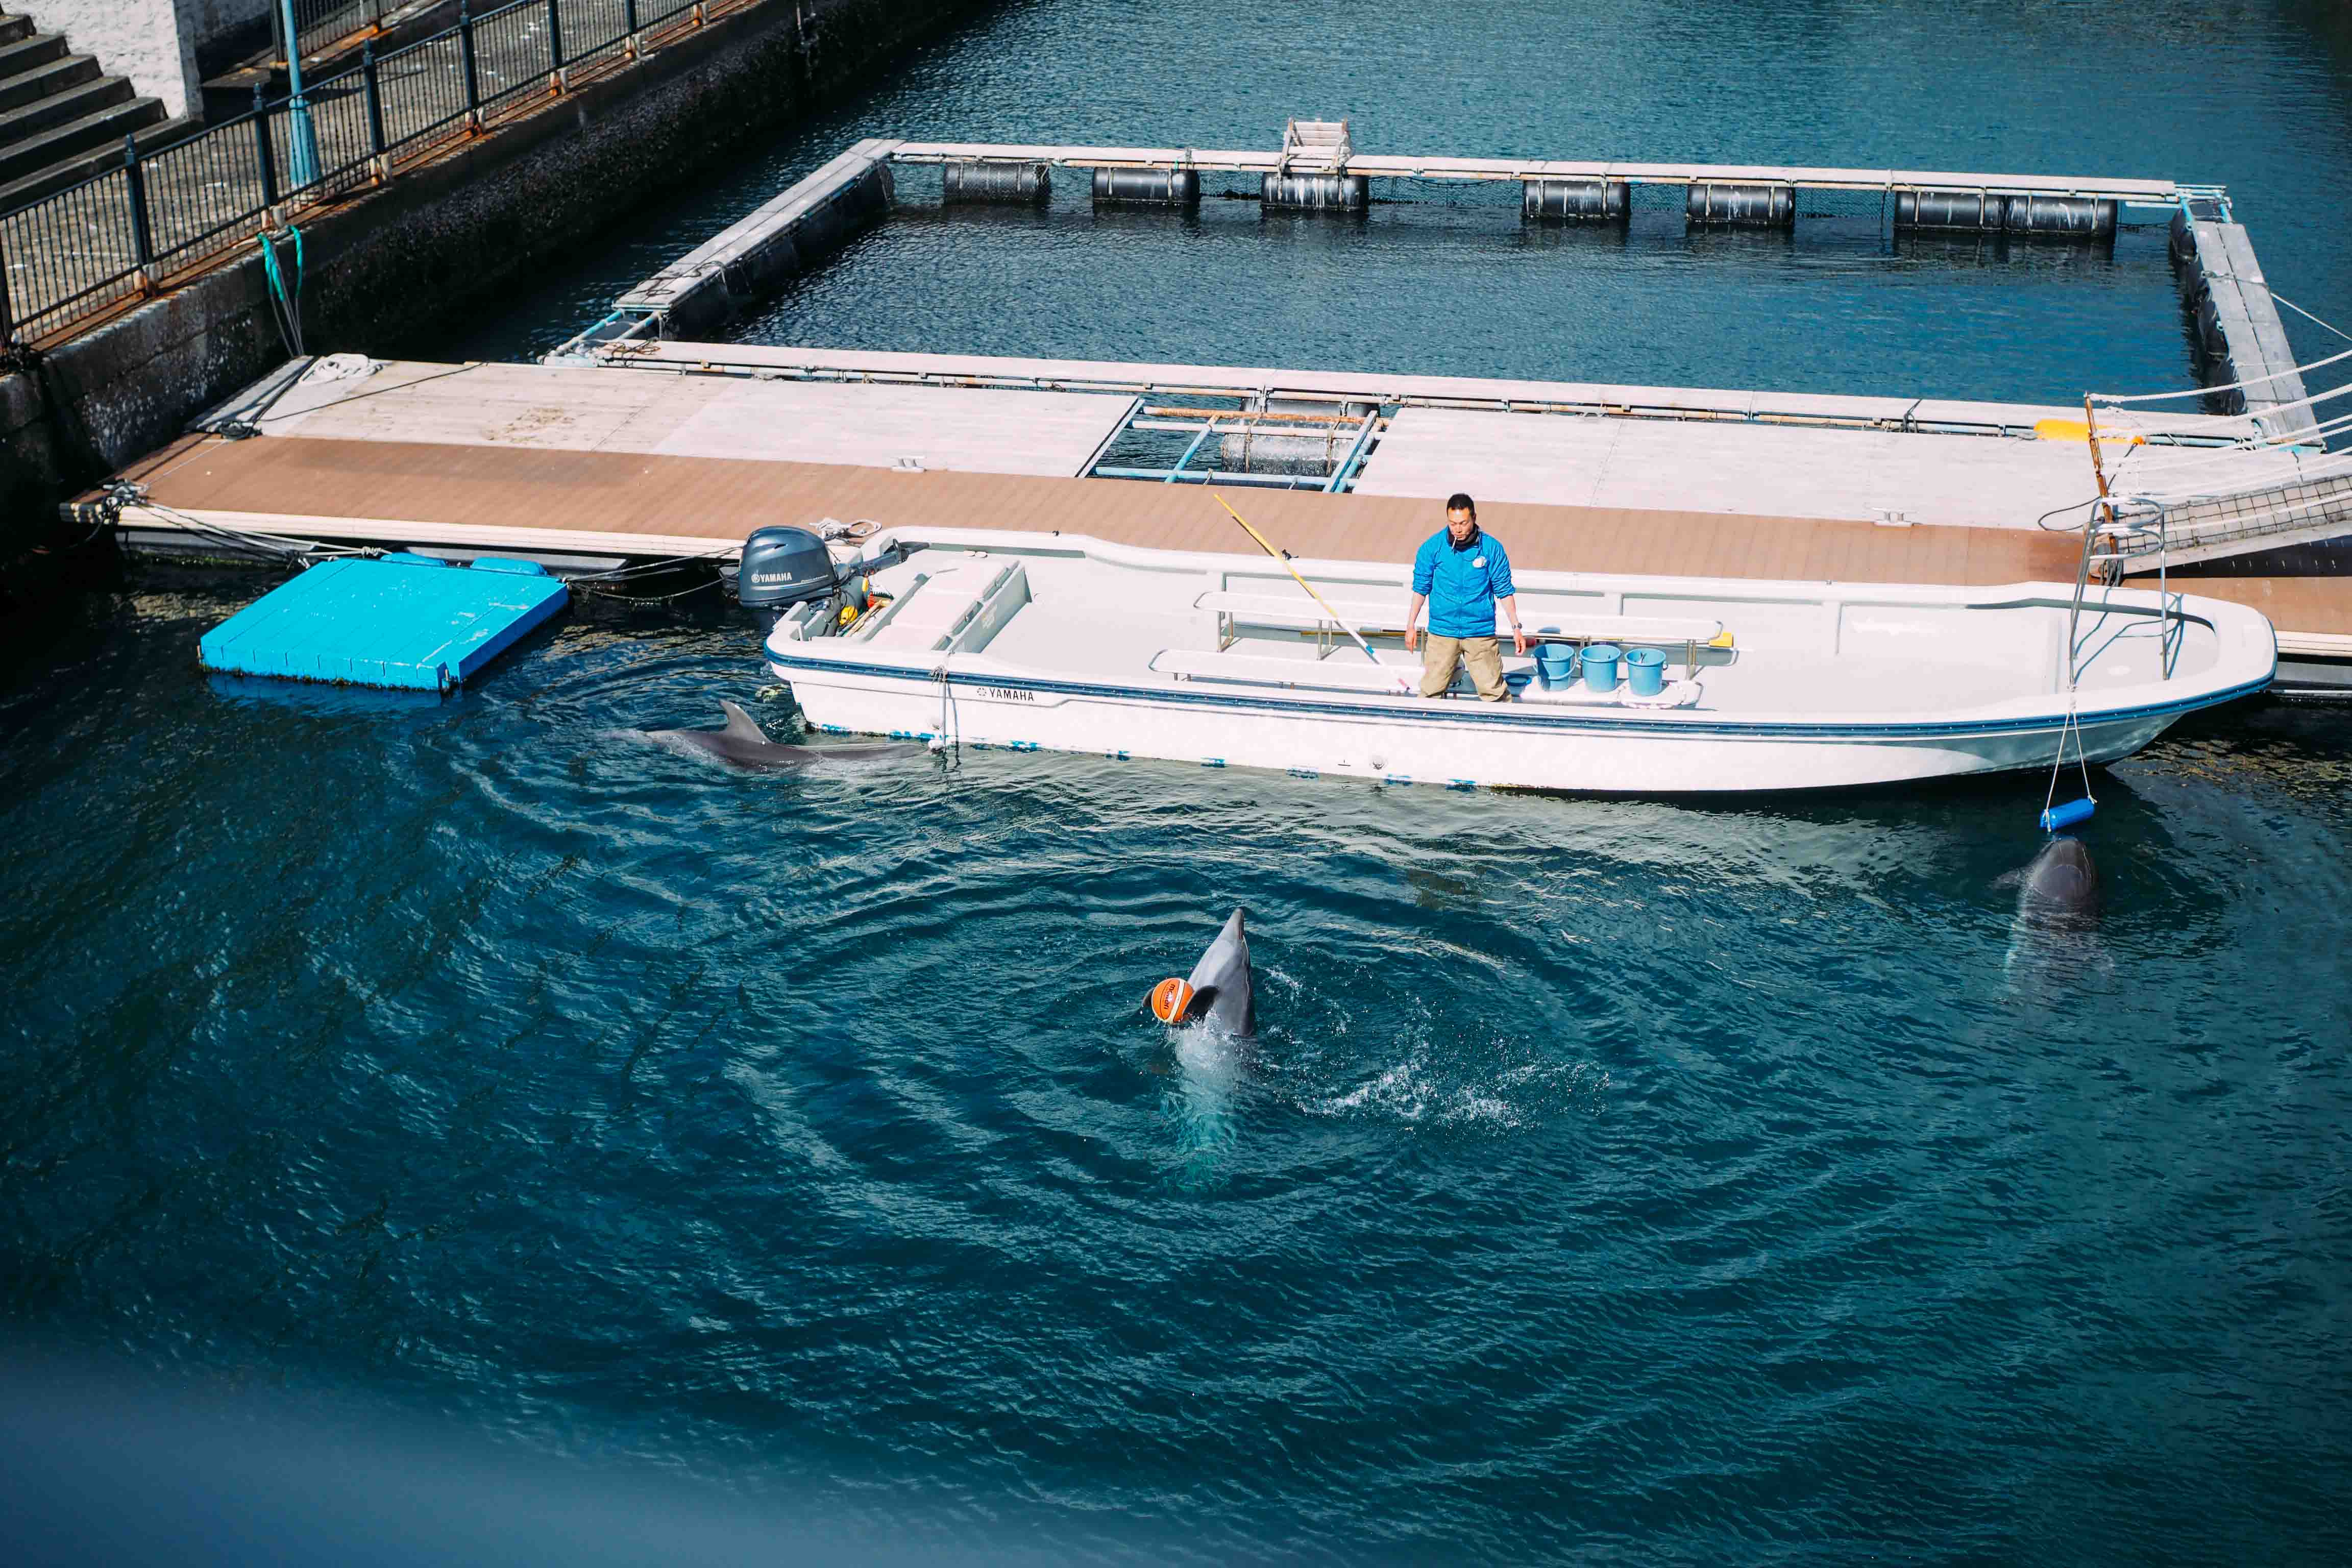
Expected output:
(1638, 685)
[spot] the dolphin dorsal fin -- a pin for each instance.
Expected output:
(741, 725)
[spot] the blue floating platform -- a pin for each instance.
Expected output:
(403, 621)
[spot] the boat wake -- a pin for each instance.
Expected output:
(1203, 1100)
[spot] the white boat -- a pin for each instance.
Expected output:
(1062, 643)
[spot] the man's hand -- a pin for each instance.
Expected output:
(1518, 640)
(1412, 639)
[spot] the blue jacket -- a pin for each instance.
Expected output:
(1462, 586)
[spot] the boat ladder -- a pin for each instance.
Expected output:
(2115, 540)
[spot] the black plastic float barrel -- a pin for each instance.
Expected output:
(1148, 187)
(2085, 218)
(1320, 192)
(1009, 184)
(1742, 207)
(1604, 201)
(1285, 451)
(1949, 209)
(2182, 241)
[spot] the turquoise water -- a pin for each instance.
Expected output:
(1446, 279)
(1613, 1180)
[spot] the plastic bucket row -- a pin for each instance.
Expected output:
(1557, 664)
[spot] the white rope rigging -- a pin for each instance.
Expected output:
(2306, 315)
(2168, 487)
(2117, 398)
(2276, 298)
(2073, 724)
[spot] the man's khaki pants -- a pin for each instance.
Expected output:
(1480, 653)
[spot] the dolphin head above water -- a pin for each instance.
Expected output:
(1218, 990)
(2060, 890)
(743, 745)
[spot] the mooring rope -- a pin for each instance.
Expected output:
(285, 547)
(2073, 722)
(2115, 397)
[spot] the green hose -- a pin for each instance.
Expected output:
(287, 303)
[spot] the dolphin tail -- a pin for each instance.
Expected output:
(741, 725)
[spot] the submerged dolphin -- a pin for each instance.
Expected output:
(2060, 890)
(2053, 944)
(1218, 990)
(743, 745)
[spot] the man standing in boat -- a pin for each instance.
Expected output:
(1463, 574)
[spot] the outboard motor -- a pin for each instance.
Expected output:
(782, 567)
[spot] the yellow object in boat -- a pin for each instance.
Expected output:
(2080, 430)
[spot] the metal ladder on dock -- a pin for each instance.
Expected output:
(1314, 146)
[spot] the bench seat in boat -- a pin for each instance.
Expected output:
(1295, 614)
(1343, 672)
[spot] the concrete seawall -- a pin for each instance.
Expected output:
(449, 236)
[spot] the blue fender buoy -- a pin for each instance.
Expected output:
(2057, 817)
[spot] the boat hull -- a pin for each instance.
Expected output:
(1457, 743)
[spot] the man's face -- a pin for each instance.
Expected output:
(1460, 523)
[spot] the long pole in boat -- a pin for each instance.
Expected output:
(1402, 684)
(2053, 815)
(2090, 530)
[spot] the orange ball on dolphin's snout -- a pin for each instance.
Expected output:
(1170, 1000)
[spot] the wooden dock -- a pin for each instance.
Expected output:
(1895, 461)
(468, 499)
(579, 505)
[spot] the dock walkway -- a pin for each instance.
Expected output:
(577, 508)
(466, 499)
(586, 468)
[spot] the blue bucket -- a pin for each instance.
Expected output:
(1555, 665)
(1600, 665)
(1645, 671)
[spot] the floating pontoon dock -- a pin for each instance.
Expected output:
(2240, 337)
(628, 445)
(585, 470)
(405, 621)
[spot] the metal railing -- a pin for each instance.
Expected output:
(118, 235)
(319, 23)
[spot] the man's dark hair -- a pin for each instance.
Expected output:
(1458, 501)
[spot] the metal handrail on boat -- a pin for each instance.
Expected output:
(2106, 522)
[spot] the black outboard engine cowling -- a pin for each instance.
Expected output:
(782, 567)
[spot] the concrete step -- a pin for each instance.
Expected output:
(22, 88)
(20, 125)
(15, 27)
(101, 131)
(33, 50)
(80, 166)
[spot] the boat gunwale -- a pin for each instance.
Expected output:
(2042, 711)
(1658, 721)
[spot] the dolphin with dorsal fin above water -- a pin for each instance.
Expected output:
(743, 745)
(1218, 992)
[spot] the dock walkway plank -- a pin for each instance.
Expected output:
(501, 498)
